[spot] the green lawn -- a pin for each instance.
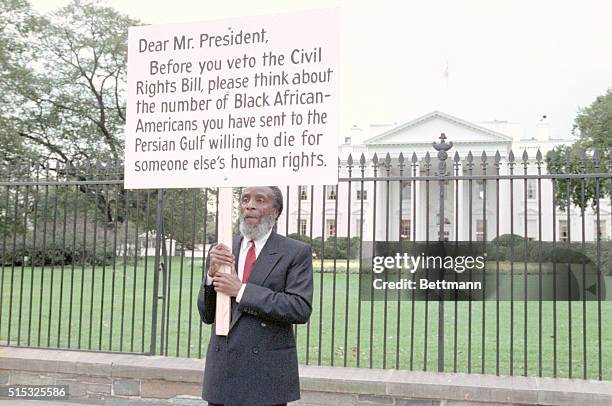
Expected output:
(330, 338)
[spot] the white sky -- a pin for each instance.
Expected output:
(509, 60)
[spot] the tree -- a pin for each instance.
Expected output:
(66, 86)
(62, 88)
(591, 153)
(62, 85)
(18, 24)
(594, 124)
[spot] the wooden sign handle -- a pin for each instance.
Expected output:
(224, 308)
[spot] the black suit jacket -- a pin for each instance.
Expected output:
(256, 363)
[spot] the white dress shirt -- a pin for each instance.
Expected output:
(244, 248)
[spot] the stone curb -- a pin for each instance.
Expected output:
(370, 383)
(456, 386)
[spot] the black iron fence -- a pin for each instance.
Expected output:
(89, 265)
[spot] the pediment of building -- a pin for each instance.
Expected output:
(530, 212)
(330, 212)
(303, 213)
(427, 129)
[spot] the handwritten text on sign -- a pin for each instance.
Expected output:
(233, 103)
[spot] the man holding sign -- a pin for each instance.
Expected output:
(271, 288)
(225, 104)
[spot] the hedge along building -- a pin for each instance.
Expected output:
(390, 204)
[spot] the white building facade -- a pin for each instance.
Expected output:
(387, 208)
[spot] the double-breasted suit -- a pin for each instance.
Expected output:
(256, 363)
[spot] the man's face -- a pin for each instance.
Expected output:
(257, 212)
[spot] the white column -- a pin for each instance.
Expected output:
(460, 219)
(420, 210)
(394, 214)
(504, 200)
(381, 209)
(413, 214)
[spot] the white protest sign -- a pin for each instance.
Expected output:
(237, 102)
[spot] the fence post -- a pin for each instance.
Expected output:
(442, 147)
(163, 267)
(159, 240)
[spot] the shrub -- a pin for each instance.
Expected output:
(30, 250)
(335, 247)
(506, 240)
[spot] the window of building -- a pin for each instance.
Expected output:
(601, 231)
(480, 230)
(362, 194)
(303, 226)
(563, 230)
(331, 228)
(405, 230)
(303, 192)
(406, 190)
(531, 189)
(359, 227)
(446, 222)
(532, 230)
(447, 190)
(480, 185)
(332, 192)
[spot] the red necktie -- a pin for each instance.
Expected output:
(249, 262)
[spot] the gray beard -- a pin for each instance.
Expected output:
(259, 230)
